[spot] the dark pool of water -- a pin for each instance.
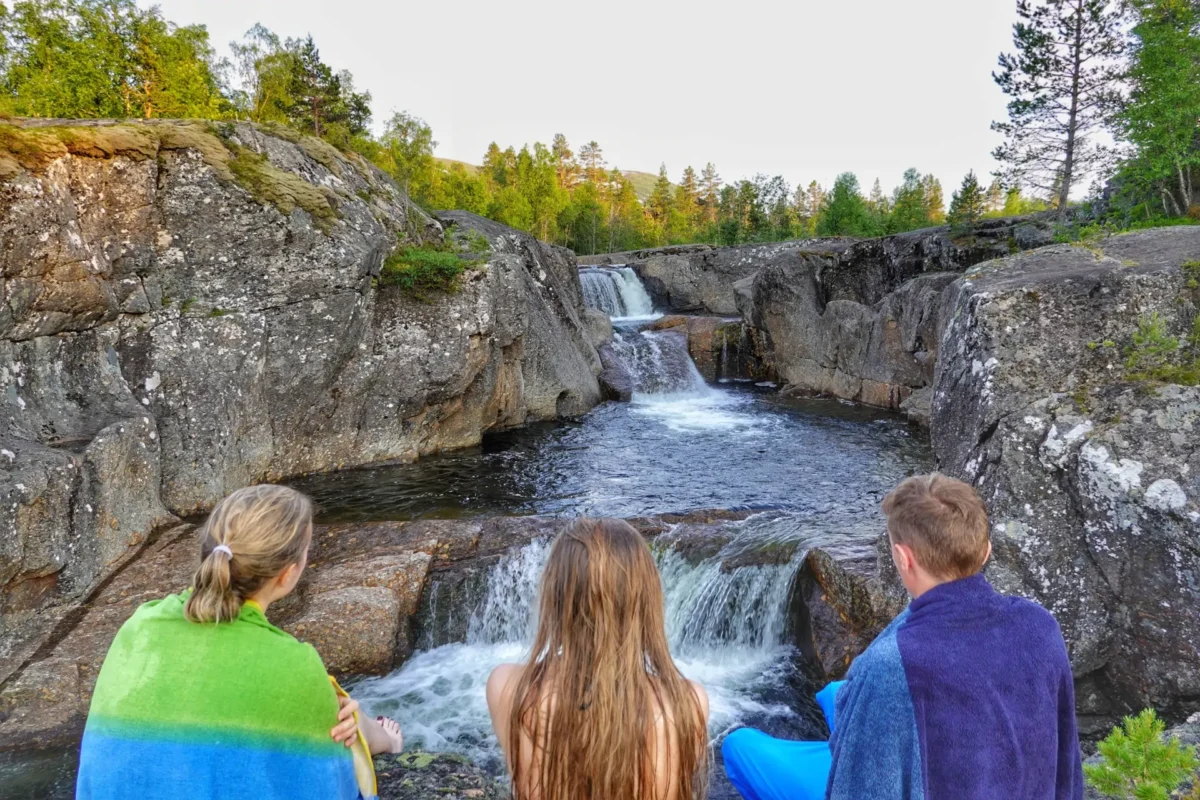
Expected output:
(40, 775)
(727, 447)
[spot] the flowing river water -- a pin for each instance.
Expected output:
(812, 472)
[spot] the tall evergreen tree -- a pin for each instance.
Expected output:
(659, 203)
(565, 164)
(846, 213)
(710, 188)
(591, 156)
(995, 196)
(1161, 118)
(968, 204)
(1061, 83)
(935, 201)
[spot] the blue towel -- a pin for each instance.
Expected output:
(967, 695)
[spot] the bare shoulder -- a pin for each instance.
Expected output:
(702, 696)
(502, 682)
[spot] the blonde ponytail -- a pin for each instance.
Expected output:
(250, 537)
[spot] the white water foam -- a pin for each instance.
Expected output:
(725, 629)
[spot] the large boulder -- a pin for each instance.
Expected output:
(1091, 477)
(190, 308)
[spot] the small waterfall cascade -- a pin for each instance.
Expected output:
(617, 291)
(658, 362)
(726, 628)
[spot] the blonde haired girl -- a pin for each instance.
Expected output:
(200, 696)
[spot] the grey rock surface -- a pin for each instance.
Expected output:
(1092, 481)
(188, 310)
(859, 320)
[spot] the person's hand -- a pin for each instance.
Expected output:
(346, 729)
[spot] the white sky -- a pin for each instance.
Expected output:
(802, 88)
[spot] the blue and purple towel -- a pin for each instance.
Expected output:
(967, 695)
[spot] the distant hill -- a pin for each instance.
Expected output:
(643, 182)
(471, 168)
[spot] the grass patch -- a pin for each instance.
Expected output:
(424, 272)
(271, 185)
(1155, 355)
(33, 149)
(1191, 274)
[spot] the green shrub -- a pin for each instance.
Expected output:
(420, 271)
(1137, 763)
(1155, 355)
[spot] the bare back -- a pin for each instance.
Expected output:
(501, 694)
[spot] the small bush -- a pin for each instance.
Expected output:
(421, 272)
(1138, 764)
(1155, 355)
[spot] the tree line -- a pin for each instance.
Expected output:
(1079, 69)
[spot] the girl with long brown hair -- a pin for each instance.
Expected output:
(600, 711)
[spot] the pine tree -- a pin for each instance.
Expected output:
(659, 204)
(1137, 763)
(968, 204)
(686, 201)
(1061, 82)
(817, 201)
(592, 158)
(935, 203)
(564, 160)
(710, 188)
(314, 90)
(994, 201)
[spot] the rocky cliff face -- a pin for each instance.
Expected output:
(1092, 481)
(859, 321)
(190, 309)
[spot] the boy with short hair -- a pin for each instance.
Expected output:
(968, 694)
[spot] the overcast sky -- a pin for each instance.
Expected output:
(802, 88)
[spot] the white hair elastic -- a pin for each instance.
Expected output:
(223, 548)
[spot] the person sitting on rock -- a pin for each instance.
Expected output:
(200, 696)
(968, 694)
(600, 710)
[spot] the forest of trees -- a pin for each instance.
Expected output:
(1081, 68)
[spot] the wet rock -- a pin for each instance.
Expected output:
(700, 278)
(419, 776)
(722, 348)
(171, 331)
(1092, 481)
(598, 326)
(845, 596)
(616, 380)
(357, 612)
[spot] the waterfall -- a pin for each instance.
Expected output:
(658, 362)
(726, 629)
(617, 291)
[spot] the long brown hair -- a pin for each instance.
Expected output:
(264, 530)
(599, 676)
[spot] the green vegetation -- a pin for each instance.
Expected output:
(284, 190)
(424, 272)
(1191, 273)
(967, 205)
(1155, 355)
(1138, 763)
(112, 58)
